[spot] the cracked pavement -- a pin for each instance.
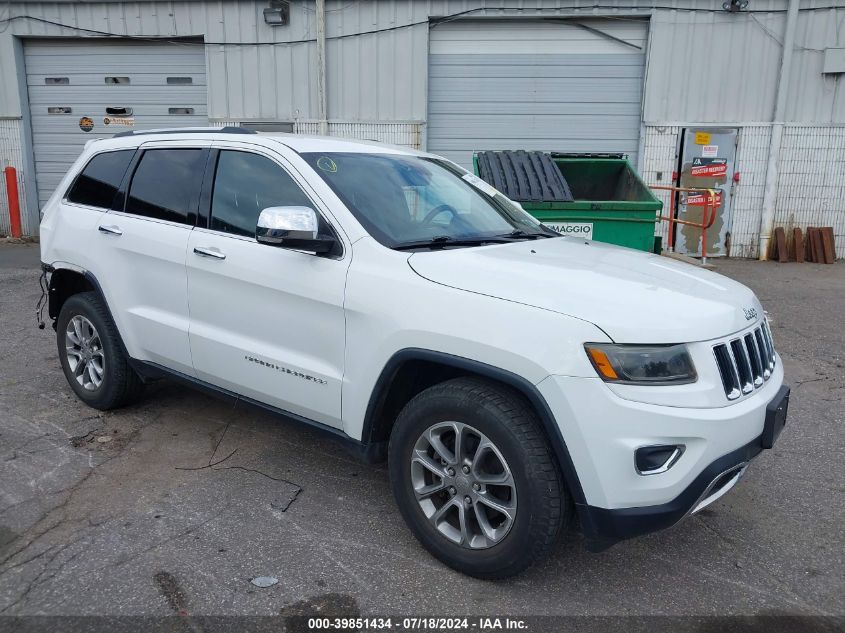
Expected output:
(173, 504)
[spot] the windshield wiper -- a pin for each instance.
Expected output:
(442, 241)
(520, 234)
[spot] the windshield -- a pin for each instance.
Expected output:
(408, 200)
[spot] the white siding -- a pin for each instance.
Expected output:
(393, 133)
(11, 154)
(752, 155)
(403, 134)
(811, 180)
(658, 163)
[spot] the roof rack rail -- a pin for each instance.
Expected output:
(229, 129)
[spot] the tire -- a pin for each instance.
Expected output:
(101, 348)
(535, 499)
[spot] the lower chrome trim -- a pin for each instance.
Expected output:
(707, 498)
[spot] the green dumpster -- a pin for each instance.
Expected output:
(596, 196)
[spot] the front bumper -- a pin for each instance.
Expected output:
(602, 431)
(603, 527)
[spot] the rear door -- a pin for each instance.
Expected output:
(266, 322)
(143, 249)
(707, 162)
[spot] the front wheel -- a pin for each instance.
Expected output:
(475, 479)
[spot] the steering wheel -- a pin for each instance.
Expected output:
(437, 211)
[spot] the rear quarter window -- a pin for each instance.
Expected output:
(99, 181)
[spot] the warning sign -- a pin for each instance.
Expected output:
(702, 138)
(709, 167)
(703, 199)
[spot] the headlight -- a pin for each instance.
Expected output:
(642, 364)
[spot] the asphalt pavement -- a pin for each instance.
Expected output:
(174, 504)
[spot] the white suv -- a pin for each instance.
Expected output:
(513, 378)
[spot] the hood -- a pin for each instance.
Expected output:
(634, 297)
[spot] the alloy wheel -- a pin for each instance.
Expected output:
(85, 355)
(463, 485)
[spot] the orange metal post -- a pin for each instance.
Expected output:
(14, 201)
(707, 219)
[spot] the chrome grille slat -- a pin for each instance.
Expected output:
(767, 334)
(754, 359)
(763, 349)
(745, 363)
(727, 370)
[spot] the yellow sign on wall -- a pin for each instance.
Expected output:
(702, 138)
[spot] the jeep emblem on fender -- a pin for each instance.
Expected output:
(750, 313)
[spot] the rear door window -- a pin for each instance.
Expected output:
(166, 184)
(98, 183)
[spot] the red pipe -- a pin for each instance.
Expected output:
(707, 218)
(14, 201)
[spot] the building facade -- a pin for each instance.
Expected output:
(755, 89)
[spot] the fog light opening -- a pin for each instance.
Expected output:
(653, 460)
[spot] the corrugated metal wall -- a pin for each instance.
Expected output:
(723, 68)
(257, 72)
(704, 66)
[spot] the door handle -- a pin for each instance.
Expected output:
(208, 251)
(110, 229)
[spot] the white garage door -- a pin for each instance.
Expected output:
(536, 85)
(106, 87)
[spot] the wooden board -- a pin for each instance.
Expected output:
(828, 252)
(780, 245)
(798, 245)
(816, 245)
(808, 251)
(819, 249)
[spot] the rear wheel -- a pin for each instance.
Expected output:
(475, 479)
(92, 356)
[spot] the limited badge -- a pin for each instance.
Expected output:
(326, 164)
(86, 124)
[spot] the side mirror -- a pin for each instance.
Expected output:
(292, 227)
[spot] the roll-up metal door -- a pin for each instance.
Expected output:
(84, 89)
(535, 85)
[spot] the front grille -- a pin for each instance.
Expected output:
(746, 362)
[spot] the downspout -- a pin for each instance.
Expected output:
(767, 218)
(322, 108)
